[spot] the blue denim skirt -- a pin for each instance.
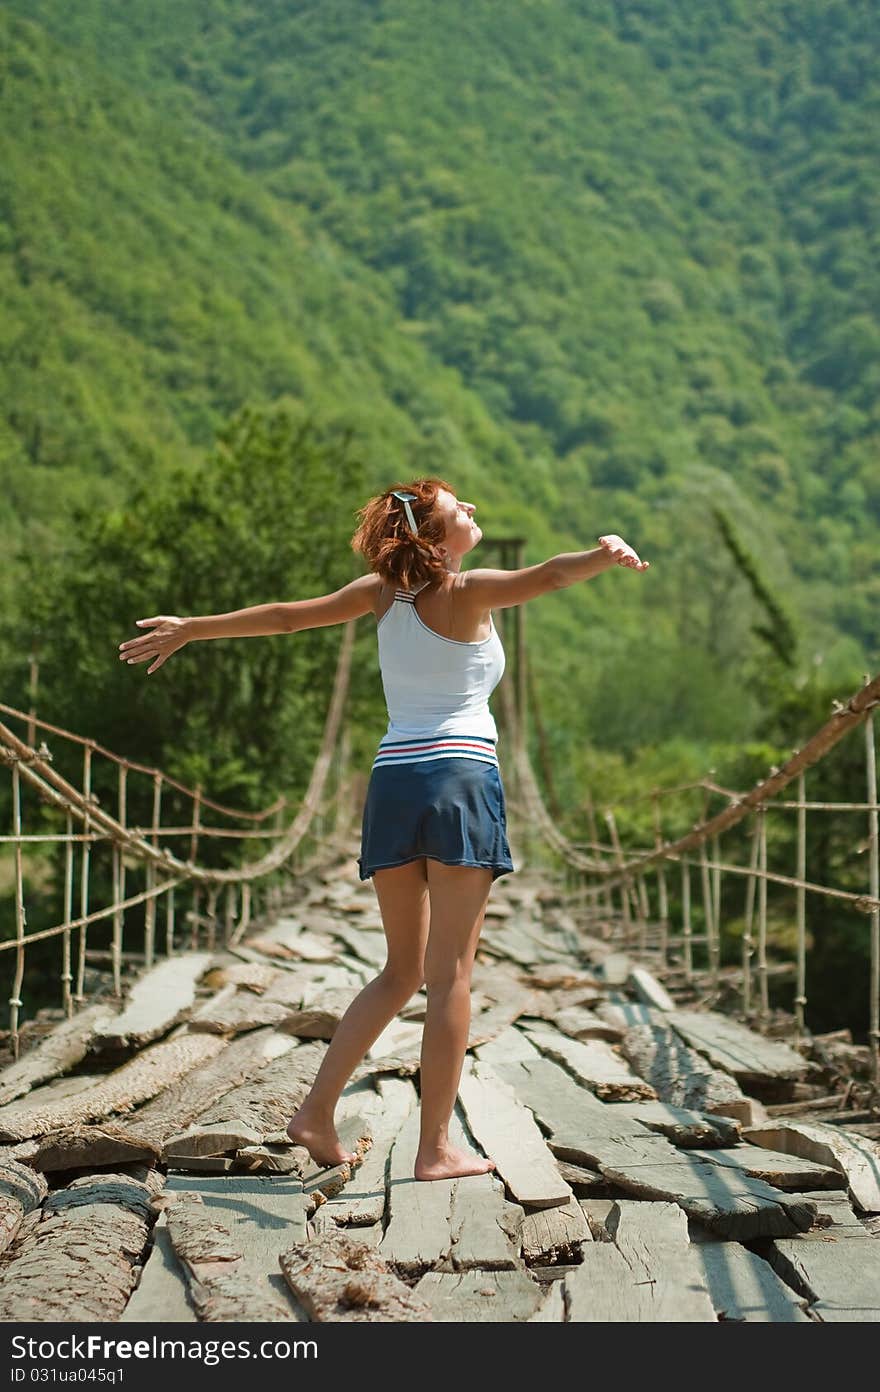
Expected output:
(449, 809)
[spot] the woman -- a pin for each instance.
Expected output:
(434, 834)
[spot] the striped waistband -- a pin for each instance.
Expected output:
(416, 751)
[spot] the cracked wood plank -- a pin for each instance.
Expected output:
(855, 1157)
(248, 1114)
(339, 1278)
(508, 1134)
(594, 1063)
(141, 1078)
(158, 1000)
(680, 1075)
(417, 1235)
(734, 1048)
(473, 1297)
(60, 1051)
(223, 1286)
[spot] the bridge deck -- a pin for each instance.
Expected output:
(654, 1160)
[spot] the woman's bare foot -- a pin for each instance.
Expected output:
(450, 1162)
(319, 1138)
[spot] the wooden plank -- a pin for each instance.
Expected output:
(552, 1311)
(21, 1192)
(681, 1125)
(398, 1037)
(362, 1201)
(841, 1275)
(45, 1278)
(60, 1051)
(653, 1240)
(107, 1143)
(120, 1189)
(162, 1293)
(728, 1203)
(338, 1277)
(253, 976)
(230, 1067)
(749, 1057)
(595, 1065)
(249, 1113)
(484, 1227)
(775, 1167)
(604, 1290)
(369, 947)
(141, 1078)
(222, 1284)
(235, 1010)
(649, 989)
(158, 1000)
(553, 1234)
(508, 1134)
(679, 1075)
(472, 1297)
(616, 968)
(320, 1017)
(835, 1216)
(490, 1023)
(745, 1288)
(509, 1045)
(417, 1235)
(855, 1157)
(580, 1023)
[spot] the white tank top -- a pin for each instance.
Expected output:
(437, 689)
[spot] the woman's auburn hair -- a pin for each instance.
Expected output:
(385, 539)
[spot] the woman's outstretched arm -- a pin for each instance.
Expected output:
(169, 633)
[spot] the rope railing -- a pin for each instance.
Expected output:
(604, 867)
(138, 847)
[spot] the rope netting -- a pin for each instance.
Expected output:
(601, 867)
(188, 888)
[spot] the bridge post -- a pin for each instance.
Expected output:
(874, 883)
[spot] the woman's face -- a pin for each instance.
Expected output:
(462, 532)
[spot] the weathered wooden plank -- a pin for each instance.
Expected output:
(616, 968)
(835, 1215)
(21, 1191)
(499, 1016)
(337, 1277)
(60, 1051)
(680, 1125)
(158, 1000)
(649, 989)
(223, 1286)
(370, 947)
(561, 976)
(471, 1297)
(603, 1289)
(253, 976)
(776, 1168)
(362, 1201)
(595, 1065)
(320, 1017)
(247, 1114)
(230, 1067)
(508, 1134)
(485, 1228)
(120, 1189)
(580, 1023)
(46, 1278)
(553, 1234)
(398, 1037)
(653, 1240)
(511, 1044)
(162, 1293)
(136, 1081)
(681, 1076)
(513, 940)
(749, 1057)
(728, 1203)
(842, 1275)
(235, 1010)
(107, 1143)
(855, 1157)
(417, 1235)
(744, 1287)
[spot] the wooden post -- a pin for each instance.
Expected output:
(66, 973)
(20, 919)
(196, 897)
(748, 919)
(764, 1008)
(800, 999)
(150, 908)
(84, 877)
(624, 887)
(661, 881)
(707, 913)
(686, 916)
(119, 886)
(716, 902)
(874, 890)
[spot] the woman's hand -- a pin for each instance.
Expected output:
(622, 553)
(170, 634)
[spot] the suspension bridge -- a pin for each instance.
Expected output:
(668, 1145)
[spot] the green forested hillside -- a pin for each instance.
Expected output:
(611, 260)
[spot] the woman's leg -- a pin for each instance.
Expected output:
(459, 895)
(402, 892)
